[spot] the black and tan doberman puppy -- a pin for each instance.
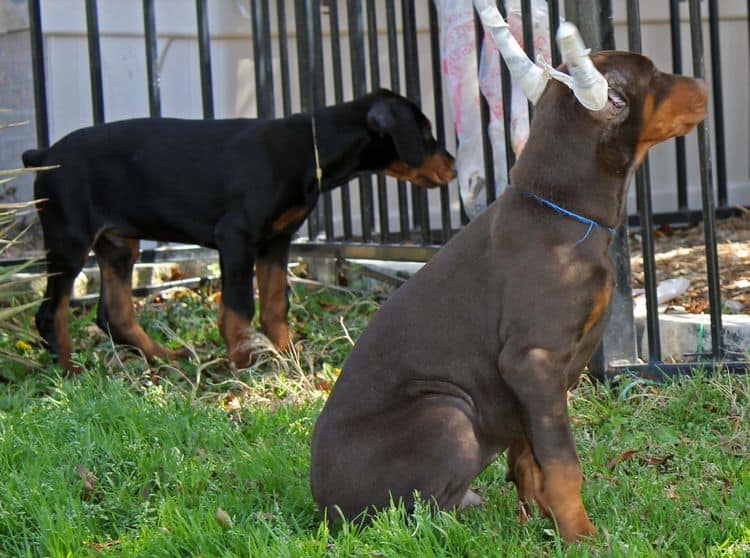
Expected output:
(243, 186)
(475, 354)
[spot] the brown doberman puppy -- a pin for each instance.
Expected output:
(243, 186)
(476, 353)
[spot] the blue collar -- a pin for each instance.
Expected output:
(590, 222)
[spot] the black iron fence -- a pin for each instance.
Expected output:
(395, 221)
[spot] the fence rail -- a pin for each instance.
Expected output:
(423, 224)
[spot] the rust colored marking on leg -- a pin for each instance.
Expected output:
(274, 302)
(62, 335)
(236, 332)
(562, 491)
(290, 217)
(525, 472)
(601, 303)
(118, 303)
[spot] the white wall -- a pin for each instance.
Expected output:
(733, 32)
(123, 56)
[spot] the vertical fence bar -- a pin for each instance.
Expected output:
(484, 118)
(507, 88)
(303, 55)
(152, 55)
(40, 79)
(591, 17)
(95, 62)
(338, 91)
(619, 341)
(286, 94)
(262, 57)
(359, 86)
(674, 20)
(204, 58)
(411, 64)
(319, 100)
(393, 58)
(643, 194)
(606, 28)
(437, 84)
(719, 133)
(315, 46)
(305, 62)
(553, 12)
(707, 193)
(527, 26)
(372, 44)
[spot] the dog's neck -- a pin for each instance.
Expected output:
(349, 127)
(562, 162)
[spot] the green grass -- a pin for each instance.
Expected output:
(172, 445)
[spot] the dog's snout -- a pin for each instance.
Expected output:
(448, 171)
(703, 86)
(701, 96)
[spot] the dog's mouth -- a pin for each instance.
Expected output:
(435, 172)
(426, 182)
(684, 125)
(420, 179)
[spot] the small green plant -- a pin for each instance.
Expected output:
(13, 285)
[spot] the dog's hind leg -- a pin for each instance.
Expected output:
(270, 271)
(428, 445)
(116, 256)
(52, 316)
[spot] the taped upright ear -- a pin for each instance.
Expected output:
(392, 117)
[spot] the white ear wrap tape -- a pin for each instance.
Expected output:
(532, 79)
(589, 85)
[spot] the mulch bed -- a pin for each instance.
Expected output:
(680, 252)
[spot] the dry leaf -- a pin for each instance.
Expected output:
(232, 402)
(223, 518)
(322, 383)
(176, 273)
(89, 479)
(655, 461)
(264, 516)
(105, 545)
(624, 456)
(523, 514)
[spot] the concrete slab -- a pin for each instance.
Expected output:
(690, 333)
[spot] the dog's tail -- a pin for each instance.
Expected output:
(33, 157)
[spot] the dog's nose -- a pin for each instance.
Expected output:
(702, 85)
(448, 173)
